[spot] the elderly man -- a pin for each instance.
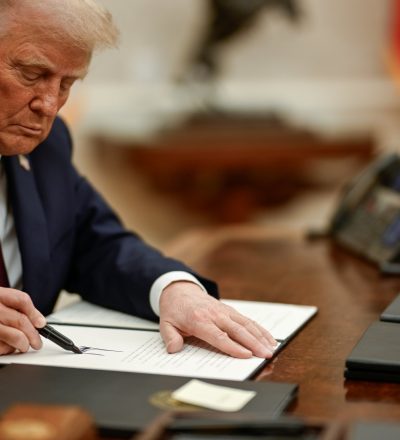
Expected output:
(56, 231)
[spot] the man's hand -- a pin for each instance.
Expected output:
(18, 321)
(186, 310)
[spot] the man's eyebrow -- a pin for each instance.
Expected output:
(35, 63)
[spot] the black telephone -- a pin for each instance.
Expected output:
(367, 220)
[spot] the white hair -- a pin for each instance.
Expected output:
(83, 23)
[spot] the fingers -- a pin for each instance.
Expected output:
(27, 332)
(209, 333)
(253, 327)
(21, 301)
(173, 340)
(18, 319)
(247, 335)
(216, 337)
(14, 338)
(6, 349)
(189, 311)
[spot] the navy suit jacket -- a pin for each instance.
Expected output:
(70, 239)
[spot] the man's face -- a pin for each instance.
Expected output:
(36, 74)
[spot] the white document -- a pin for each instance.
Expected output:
(138, 351)
(139, 348)
(85, 313)
(281, 320)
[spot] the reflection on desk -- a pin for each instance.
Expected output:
(257, 264)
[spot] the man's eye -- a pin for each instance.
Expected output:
(30, 76)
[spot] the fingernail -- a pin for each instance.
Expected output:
(267, 353)
(39, 321)
(170, 347)
(38, 344)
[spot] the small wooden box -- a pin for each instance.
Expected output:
(46, 422)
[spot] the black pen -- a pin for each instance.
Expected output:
(54, 336)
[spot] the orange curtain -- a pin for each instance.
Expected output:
(394, 42)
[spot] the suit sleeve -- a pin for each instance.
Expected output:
(112, 266)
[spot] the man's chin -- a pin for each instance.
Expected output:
(14, 145)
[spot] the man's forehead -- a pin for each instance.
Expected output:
(52, 55)
(39, 40)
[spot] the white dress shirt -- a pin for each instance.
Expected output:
(12, 255)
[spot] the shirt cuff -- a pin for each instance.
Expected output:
(163, 281)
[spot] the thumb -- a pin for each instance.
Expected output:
(173, 340)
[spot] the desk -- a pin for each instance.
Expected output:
(255, 264)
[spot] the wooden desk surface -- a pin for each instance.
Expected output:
(349, 292)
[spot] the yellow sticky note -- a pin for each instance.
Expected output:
(220, 398)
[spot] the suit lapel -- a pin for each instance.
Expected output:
(31, 227)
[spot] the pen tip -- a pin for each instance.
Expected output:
(75, 349)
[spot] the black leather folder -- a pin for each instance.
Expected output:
(374, 430)
(376, 356)
(392, 312)
(119, 402)
(222, 427)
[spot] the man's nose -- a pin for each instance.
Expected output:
(46, 103)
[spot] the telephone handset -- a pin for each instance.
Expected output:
(367, 219)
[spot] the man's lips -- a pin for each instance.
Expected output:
(32, 130)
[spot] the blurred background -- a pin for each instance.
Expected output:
(219, 112)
